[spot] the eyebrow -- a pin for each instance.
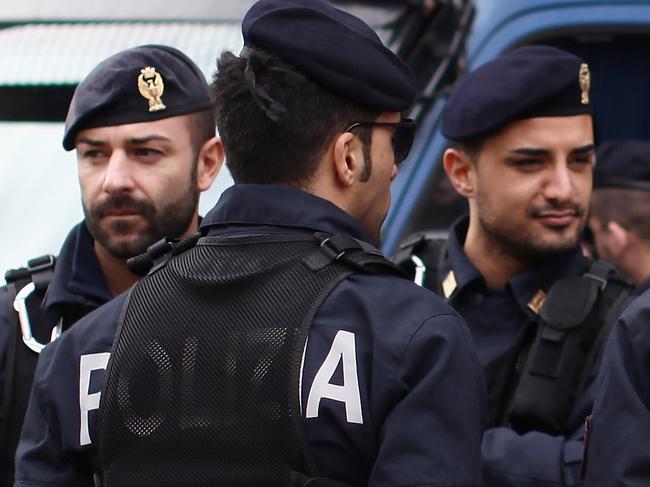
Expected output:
(534, 151)
(147, 138)
(132, 141)
(585, 148)
(530, 151)
(94, 143)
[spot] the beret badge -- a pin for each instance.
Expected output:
(585, 81)
(152, 87)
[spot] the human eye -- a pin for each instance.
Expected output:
(147, 154)
(583, 160)
(527, 163)
(93, 156)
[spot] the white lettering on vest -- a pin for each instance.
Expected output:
(343, 350)
(87, 402)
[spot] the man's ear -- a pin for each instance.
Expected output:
(209, 163)
(347, 159)
(618, 238)
(460, 171)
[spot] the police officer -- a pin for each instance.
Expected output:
(282, 349)
(619, 428)
(522, 152)
(142, 124)
(620, 206)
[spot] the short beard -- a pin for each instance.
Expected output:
(527, 247)
(123, 241)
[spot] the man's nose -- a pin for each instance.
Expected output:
(118, 177)
(560, 184)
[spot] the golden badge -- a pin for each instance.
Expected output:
(151, 86)
(585, 83)
(449, 284)
(537, 301)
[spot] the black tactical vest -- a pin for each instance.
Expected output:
(203, 381)
(533, 386)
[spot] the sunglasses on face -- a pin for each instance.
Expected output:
(402, 138)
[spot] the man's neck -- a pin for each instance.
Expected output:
(636, 264)
(116, 273)
(494, 263)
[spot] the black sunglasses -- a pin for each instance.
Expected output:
(402, 138)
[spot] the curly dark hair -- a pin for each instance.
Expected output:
(287, 151)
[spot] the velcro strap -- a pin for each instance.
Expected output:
(357, 253)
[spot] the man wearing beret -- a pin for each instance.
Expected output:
(142, 123)
(521, 150)
(620, 207)
(283, 349)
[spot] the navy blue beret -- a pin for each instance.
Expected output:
(623, 164)
(532, 81)
(141, 84)
(334, 49)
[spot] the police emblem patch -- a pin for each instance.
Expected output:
(585, 82)
(537, 301)
(152, 87)
(449, 284)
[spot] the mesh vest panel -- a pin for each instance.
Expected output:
(203, 382)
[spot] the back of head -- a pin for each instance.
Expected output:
(307, 71)
(623, 164)
(141, 84)
(532, 81)
(622, 185)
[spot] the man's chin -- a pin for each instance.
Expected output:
(552, 247)
(125, 248)
(124, 226)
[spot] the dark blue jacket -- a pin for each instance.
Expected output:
(498, 319)
(619, 441)
(77, 288)
(420, 384)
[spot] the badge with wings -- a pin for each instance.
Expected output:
(151, 86)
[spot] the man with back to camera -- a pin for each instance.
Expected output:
(620, 206)
(522, 153)
(142, 124)
(281, 349)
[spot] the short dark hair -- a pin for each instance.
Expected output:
(628, 207)
(471, 147)
(202, 127)
(260, 150)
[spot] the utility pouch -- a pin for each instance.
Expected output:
(575, 317)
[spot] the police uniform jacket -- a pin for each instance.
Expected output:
(77, 288)
(618, 447)
(499, 320)
(415, 420)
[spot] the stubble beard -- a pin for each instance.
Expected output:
(525, 244)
